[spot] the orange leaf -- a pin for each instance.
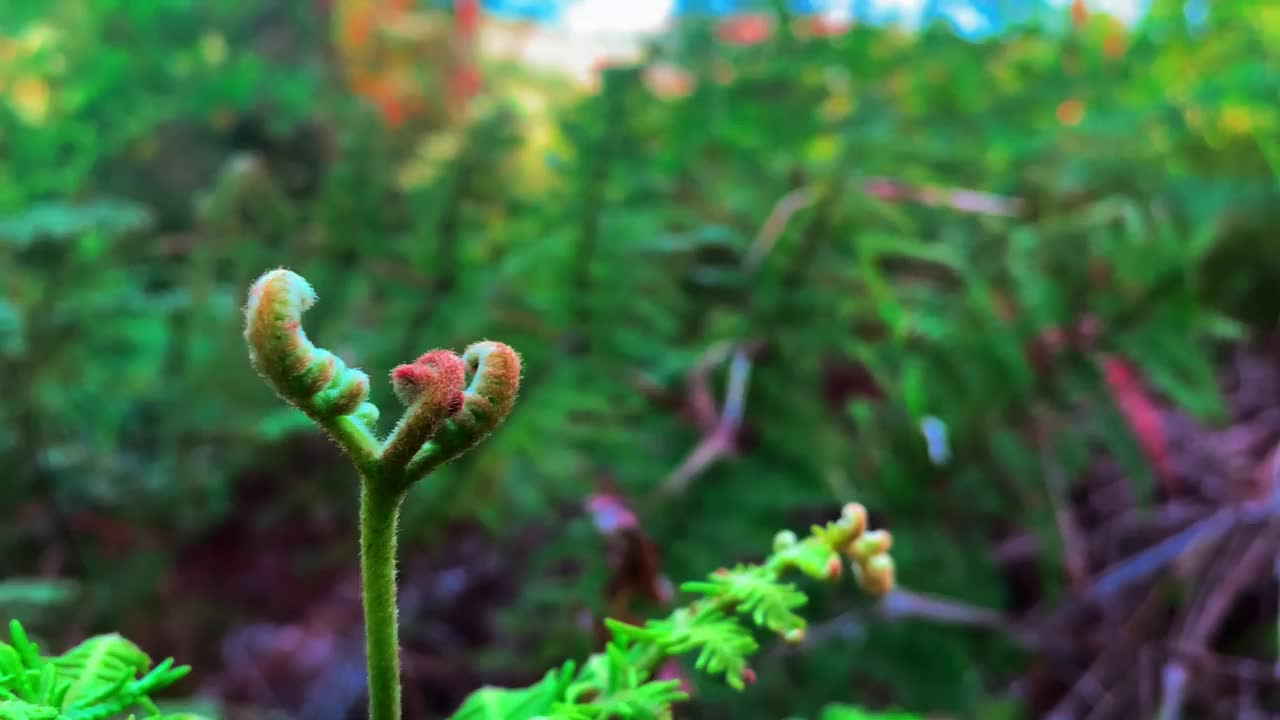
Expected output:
(744, 30)
(1079, 13)
(1114, 44)
(1070, 112)
(358, 28)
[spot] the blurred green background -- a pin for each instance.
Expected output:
(1018, 294)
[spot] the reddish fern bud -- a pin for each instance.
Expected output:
(876, 575)
(432, 387)
(311, 378)
(854, 516)
(833, 567)
(493, 370)
(872, 543)
(437, 371)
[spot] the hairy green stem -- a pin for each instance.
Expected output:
(379, 512)
(356, 440)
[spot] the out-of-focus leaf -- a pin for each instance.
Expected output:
(38, 592)
(59, 220)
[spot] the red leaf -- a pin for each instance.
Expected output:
(1142, 416)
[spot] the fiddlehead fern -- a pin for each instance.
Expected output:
(452, 402)
(312, 379)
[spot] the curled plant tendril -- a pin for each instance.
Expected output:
(493, 380)
(452, 403)
(315, 380)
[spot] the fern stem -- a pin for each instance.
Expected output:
(379, 513)
(355, 439)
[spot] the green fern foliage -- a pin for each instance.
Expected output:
(619, 683)
(849, 712)
(103, 677)
(522, 704)
(616, 684)
(756, 591)
(722, 643)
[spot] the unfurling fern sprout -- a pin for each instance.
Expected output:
(452, 402)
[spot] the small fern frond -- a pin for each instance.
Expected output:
(493, 703)
(645, 701)
(98, 668)
(755, 590)
(22, 710)
(95, 680)
(618, 682)
(721, 642)
(614, 685)
(27, 651)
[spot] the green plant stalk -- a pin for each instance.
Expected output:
(379, 515)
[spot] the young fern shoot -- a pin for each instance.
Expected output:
(452, 403)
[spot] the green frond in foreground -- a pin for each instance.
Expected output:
(102, 678)
(716, 628)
